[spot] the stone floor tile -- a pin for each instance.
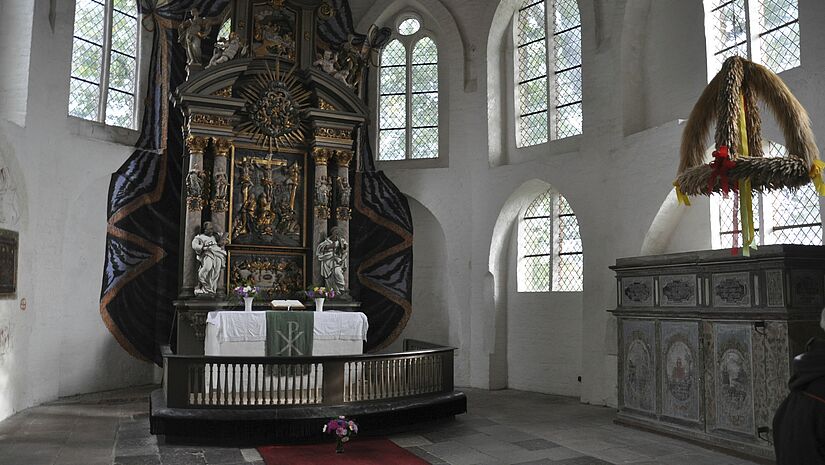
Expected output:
(251, 455)
(536, 444)
(424, 454)
(138, 460)
(458, 454)
(222, 456)
(410, 440)
(506, 433)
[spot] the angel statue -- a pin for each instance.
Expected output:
(225, 49)
(190, 33)
(208, 247)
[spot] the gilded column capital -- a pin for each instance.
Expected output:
(196, 144)
(321, 155)
(343, 157)
(222, 146)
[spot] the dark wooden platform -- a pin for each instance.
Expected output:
(299, 423)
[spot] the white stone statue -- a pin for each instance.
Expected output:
(333, 253)
(208, 247)
(190, 34)
(327, 62)
(225, 50)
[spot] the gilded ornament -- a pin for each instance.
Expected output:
(343, 157)
(325, 11)
(324, 105)
(222, 146)
(343, 213)
(273, 107)
(197, 144)
(321, 155)
(225, 92)
(322, 212)
(332, 133)
(211, 120)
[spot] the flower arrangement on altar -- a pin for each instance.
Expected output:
(246, 290)
(319, 292)
(342, 428)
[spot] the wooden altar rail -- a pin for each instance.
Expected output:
(245, 382)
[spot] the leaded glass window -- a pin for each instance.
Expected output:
(103, 81)
(408, 95)
(550, 247)
(787, 216)
(548, 71)
(765, 31)
(226, 29)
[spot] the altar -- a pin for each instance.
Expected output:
(244, 333)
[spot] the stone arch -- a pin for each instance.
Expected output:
(431, 287)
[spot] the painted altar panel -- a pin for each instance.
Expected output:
(731, 289)
(639, 365)
(733, 377)
(274, 30)
(677, 290)
(681, 369)
(276, 274)
(268, 199)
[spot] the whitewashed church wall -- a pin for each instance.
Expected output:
(60, 167)
(16, 35)
(540, 327)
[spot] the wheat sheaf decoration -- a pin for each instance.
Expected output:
(738, 165)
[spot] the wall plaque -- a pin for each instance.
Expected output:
(8, 262)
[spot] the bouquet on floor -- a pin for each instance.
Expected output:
(343, 429)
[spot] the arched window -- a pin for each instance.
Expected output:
(548, 108)
(765, 31)
(780, 217)
(105, 49)
(550, 246)
(408, 93)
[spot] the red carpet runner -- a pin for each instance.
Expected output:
(366, 451)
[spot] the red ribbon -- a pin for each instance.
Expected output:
(721, 164)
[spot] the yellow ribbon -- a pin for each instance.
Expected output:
(745, 192)
(816, 176)
(681, 196)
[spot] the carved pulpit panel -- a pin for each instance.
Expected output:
(268, 199)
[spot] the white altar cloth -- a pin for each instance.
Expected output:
(244, 333)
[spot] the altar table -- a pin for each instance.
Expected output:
(243, 334)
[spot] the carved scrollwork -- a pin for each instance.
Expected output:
(343, 213)
(333, 133)
(211, 120)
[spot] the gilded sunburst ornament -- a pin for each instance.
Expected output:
(273, 107)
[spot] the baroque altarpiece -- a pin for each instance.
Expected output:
(272, 124)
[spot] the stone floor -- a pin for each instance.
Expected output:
(503, 427)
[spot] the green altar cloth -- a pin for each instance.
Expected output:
(289, 334)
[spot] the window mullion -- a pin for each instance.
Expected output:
(408, 99)
(549, 28)
(107, 58)
(752, 26)
(136, 80)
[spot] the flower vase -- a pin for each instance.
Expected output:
(339, 444)
(319, 304)
(247, 303)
